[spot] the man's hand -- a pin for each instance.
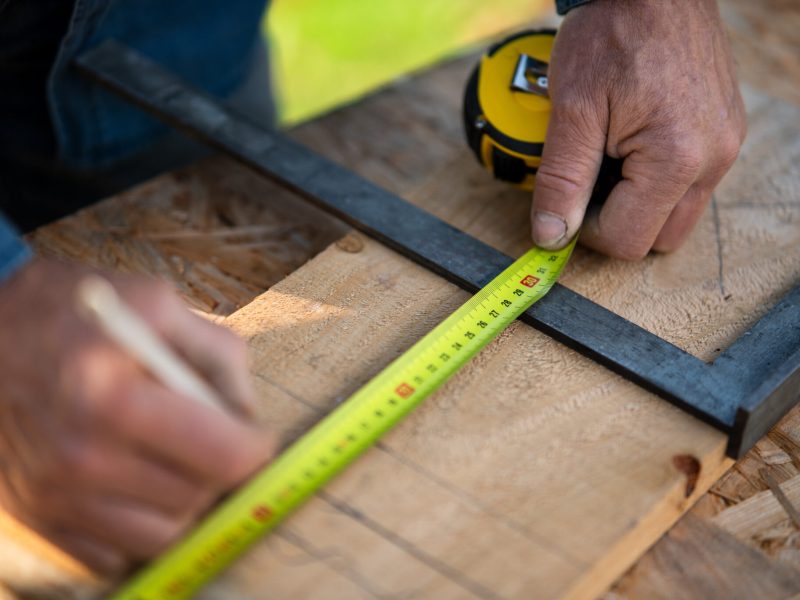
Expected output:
(651, 82)
(95, 454)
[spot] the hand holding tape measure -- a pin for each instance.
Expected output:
(507, 110)
(666, 103)
(511, 153)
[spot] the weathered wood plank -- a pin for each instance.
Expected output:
(619, 445)
(498, 435)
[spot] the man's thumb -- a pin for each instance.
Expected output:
(571, 160)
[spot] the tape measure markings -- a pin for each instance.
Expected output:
(349, 430)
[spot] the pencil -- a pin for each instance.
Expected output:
(98, 300)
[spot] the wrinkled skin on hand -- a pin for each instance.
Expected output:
(651, 82)
(97, 456)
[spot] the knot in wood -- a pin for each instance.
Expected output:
(351, 243)
(690, 466)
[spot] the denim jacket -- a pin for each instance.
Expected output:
(13, 251)
(209, 43)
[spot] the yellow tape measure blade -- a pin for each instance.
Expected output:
(343, 435)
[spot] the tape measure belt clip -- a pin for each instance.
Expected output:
(530, 76)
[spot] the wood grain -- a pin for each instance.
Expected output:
(765, 37)
(507, 430)
(500, 437)
(399, 138)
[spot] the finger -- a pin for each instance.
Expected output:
(132, 529)
(215, 352)
(571, 159)
(143, 480)
(94, 554)
(683, 218)
(690, 208)
(633, 215)
(120, 472)
(135, 531)
(97, 556)
(15, 442)
(199, 441)
(70, 460)
(218, 354)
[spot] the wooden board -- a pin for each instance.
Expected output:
(534, 469)
(402, 155)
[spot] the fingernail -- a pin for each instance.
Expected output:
(548, 229)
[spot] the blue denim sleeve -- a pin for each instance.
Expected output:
(564, 6)
(14, 253)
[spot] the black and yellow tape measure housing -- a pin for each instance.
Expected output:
(506, 108)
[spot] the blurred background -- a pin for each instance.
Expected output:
(329, 52)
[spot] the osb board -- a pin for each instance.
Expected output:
(219, 233)
(703, 561)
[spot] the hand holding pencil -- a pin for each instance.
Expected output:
(140, 424)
